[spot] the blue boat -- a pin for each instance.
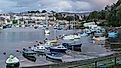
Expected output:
(83, 34)
(113, 34)
(59, 48)
(55, 56)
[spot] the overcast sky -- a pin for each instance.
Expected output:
(56, 5)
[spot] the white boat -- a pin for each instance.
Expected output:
(55, 56)
(71, 37)
(47, 32)
(59, 48)
(88, 31)
(12, 61)
(50, 43)
(39, 48)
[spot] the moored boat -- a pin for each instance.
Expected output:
(50, 43)
(30, 57)
(71, 37)
(55, 56)
(82, 34)
(27, 52)
(59, 48)
(12, 61)
(40, 48)
(112, 34)
(88, 31)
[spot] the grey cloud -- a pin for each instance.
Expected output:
(57, 5)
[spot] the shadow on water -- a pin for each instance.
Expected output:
(30, 58)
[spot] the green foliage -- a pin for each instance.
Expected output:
(111, 13)
(69, 18)
(93, 15)
(59, 16)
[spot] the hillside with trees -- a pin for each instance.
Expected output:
(111, 15)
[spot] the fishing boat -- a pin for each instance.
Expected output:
(59, 48)
(40, 48)
(55, 56)
(12, 61)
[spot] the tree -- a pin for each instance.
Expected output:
(118, 14)
(59, 16)
(69, 18)
(44, 11)
(93, 15)
(101, 15)
(76, 17)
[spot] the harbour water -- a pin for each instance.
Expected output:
(13, 39)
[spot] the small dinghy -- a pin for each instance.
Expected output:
(55, 56)
(59, 48)
(47, 32)
(12, 61)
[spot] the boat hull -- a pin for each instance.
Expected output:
(75, 47)
(57, 50)
(54, 57)
(12, 64)
(30, 57)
